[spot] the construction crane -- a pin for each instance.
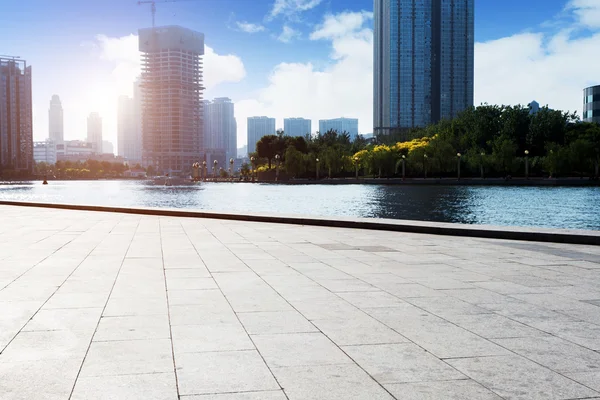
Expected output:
(153, 6)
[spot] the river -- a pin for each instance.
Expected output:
(557, 207)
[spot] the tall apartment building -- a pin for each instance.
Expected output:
(108, 147)
(296, 126)
(129, 142)
(44, 151)
(16, 118)
(55, 120)
(220, 127)
(591, 104)
(423, 62)
(94, 131)
(171, 83)
(348, 125)
(257, 128)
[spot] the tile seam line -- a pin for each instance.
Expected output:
(232, 309)
(405, 226)
(103, 310)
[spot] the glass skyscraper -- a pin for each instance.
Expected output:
(423, 62)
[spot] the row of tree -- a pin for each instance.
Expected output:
(90, 169)
(489, 139)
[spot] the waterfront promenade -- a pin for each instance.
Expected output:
(100, 305)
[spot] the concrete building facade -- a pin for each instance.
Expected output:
(44, 151)
(257, 128)
(296, 126)
(423, 62)
(348, 125)
(220, 127)
(591, 104)
(16, 115)
(94, 131)
(171, 86)
(55, 120)
(129, 143)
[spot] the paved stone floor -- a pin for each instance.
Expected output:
(115, 306)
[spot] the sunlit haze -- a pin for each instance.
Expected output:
(288, 58)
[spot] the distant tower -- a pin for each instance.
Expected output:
(94, 131)
(55, 120)
(591, 104)
(171, 97)
(16, 118)
(220, 128)
(257, 128)
(423, 62)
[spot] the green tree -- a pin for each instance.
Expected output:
(294, 162)
(504, 151)
(267, 147)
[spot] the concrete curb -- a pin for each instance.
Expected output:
(449, 229)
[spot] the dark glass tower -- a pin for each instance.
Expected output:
(423, 62)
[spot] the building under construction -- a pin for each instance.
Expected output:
(171, 86)
(16, 118)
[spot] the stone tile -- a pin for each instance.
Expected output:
(404, 362)
(136, 306)
(408, 290)
(260, 395)
(347, 285)
(208, 297)
(295, 349)
(515, 377)
(76, 300)
(589, 379)
(275, 322)
(371, 299)
(581, 333)
(223, 372)
(128, 357)
(190, 283)
(225, 336)
(46, 379)
(75, 319)
(47, 345)
(508, 288)
(451, 390)
(331, 382)
(492, 326)
(554, 353)
(427, 331)
(361, 330)
(178, 273)
(133, 328)
(199, 315)
(447, 306)
(159, 386)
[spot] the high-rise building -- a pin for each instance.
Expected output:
(128, 141)
(220, 128)
(171, 83)
(94, 131)
(55, 120)
(341, 125)
(423, 62)
(44, 151)
(591, 104)
(257, 128)
(16, 118)
(296, 126)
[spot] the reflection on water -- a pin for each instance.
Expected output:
(524, 206)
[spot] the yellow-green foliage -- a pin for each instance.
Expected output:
(408, 147)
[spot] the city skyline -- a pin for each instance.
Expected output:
(329, 46)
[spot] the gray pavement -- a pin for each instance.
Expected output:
(115, 306)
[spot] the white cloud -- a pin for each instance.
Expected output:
(288, 34)
(292, 7)
(342, 89)
(339, 25)
(587, 12)
(248, 27)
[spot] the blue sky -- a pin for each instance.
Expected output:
(60, 39)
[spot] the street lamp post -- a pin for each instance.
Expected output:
(425, 165)
(356, 166)
(481, 164)
(277, 157)
(204, 168)
(215, 164)
(526, 164)
(458, 155)
(403, 166)
(252, 159)
(317, 169)
(231, 168)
